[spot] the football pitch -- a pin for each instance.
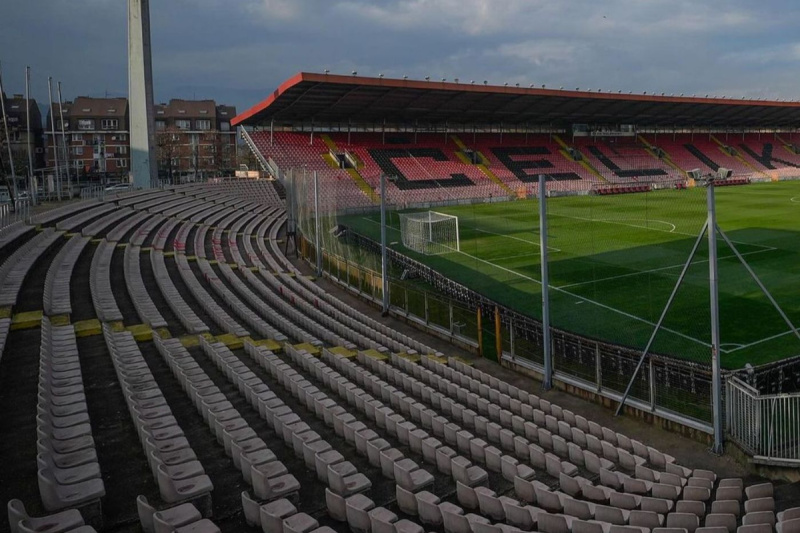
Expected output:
(614, 261)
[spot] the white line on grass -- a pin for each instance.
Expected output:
(534, 254)
(652, 270)
(598, 304)
(796, 199)
(607, 221)
(761, 341)
(550, 248)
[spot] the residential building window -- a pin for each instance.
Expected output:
(176, 161)
(63, 125)
(122, 163)
(225, 126)
(77, 137)
(109, 123)
(161, 125)
(122, 149)
(85, 124)
(77, 150)
(183, 124)
(122, 137)
(203, 125)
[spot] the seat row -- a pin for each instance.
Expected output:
(141, 234)
(111, 219)
(493, 389)
(16, 267)
(161, 238)
(249, 453)
(252, 318)
(142, 302)
(56, 296)
(19, 521)
(77, 220)
(12, 232)
(181, 518)
(68, 470)
(45, 218)
(224, 320)
(177, 304)
(105, 303)
(346, 495)
(119, 231)
(177, 472)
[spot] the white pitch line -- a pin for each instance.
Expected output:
(551, 248)
(605, 221)
(598, 304)
(632, 274)
(761, 341)
(535, 254)
(796, 199)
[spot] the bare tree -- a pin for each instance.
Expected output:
(168, 146)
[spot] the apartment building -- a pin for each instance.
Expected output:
(17, 114)
(194, 140)
(97, 137)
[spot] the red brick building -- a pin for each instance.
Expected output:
(194, 139)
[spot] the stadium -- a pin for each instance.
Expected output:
(434, 306)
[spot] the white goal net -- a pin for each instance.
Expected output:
(429, 233)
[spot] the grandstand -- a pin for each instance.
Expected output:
(165, 366)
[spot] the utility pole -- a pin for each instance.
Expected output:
(55, 141)
(12, 190)
(64, 140)
(31, 185)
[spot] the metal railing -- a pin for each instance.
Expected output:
(9, 214)
(765, 425)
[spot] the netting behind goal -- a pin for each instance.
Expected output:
(429, 233)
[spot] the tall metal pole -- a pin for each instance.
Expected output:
(64, 140)
(384, 260)
(55, 141)
(547, 380)
(8, 137)
(713, 285)
(317, 226)
(31, 186)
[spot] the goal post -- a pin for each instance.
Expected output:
(430, 233)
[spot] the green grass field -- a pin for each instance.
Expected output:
(614, 260)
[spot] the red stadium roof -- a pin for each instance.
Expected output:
(328, 98)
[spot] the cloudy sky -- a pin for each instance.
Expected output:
(237, 51)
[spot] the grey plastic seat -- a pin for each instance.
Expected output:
(759, 504)
(688, 521)
(358, 507)
(490, 505)
(789, 514)
(727, 507)
(56, 497)
(382, 520)
(759, 517)
(757, 528)
(428, 507)
(646, 519)
(55, 523)
(688, 506)
(788, 526)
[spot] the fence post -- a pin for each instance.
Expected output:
(598, 367)
(716, 377)
(652, 377)
(547, 379)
